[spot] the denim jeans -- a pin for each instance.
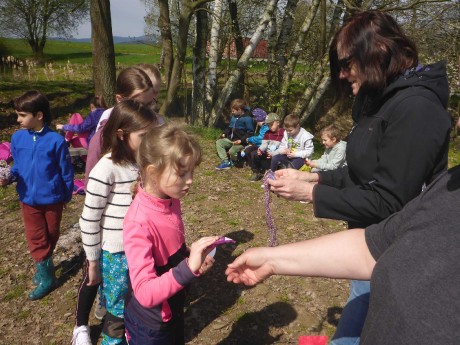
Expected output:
(353, 315)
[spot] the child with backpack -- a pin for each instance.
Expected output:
(107, 199)
(44, 175)
(160, 264)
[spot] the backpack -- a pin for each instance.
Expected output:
(5, 152)
(78, 187)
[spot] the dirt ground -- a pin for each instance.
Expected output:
(277, 311)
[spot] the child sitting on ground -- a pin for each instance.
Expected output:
(85, 128)
(255, 141)
(296, 146)
(161, 267)
(261, 158)
(334, 155)
(44, 175)
(235, 136)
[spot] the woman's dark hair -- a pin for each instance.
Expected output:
(131, 79)
(376, 44)
(128, 116)
(33, 102)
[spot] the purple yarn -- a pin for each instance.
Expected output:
(272, 239)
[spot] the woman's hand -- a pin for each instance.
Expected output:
(297, 175)
(94, 273)
(198, 252)
(292, 189)
(251, 267)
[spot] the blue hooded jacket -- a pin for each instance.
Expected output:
(42, 167)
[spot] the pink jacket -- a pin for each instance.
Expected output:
(153, 238)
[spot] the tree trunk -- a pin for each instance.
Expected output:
(104, 76)
(213, 54)
(238, 39)
(272, 66)
(290, 66)
(199, 67)
(242, 63)
(187, 8)
(164, 24)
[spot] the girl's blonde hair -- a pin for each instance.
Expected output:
(165, 146)
(128, 116)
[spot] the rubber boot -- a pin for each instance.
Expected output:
(46, 279)
(35, 279)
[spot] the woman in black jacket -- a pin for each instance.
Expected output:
(398, 144)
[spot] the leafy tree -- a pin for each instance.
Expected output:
(36, 20)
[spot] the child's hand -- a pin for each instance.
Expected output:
(198, 252)
(259, 152)
(286, 151)
(237, 142)
(59, 127)
(310, 163)
(291, 154)
(94, 273)
(207, 264)
(4, 182)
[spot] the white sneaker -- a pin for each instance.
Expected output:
(81, 336)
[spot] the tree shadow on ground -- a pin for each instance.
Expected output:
(259, 323)
(211, 295)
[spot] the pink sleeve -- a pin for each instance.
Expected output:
(149, 288)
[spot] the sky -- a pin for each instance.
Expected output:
(127, 19)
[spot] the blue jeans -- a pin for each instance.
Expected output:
(353, 315)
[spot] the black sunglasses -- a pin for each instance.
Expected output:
(344, 64)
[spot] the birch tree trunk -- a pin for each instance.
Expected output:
(272, 66)
(213, 56)
(242, 63)
(199, 68)
(103, 50)
(290, 66)
(187, 9)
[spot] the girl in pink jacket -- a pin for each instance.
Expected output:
(160, 265)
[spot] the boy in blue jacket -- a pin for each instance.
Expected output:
(235, 137)
(255, 141)
(44, 175)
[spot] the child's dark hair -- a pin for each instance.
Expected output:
(32, 102)
(98, 101)
(291, 121)
(238, 103)
(127, 116)
(165, 146)
(332, 132)
(131, 79)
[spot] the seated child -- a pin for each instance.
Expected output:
(296, 146)
(334, 156)
(260, 159)
(255, 141)
(235, 136)
(84, 127)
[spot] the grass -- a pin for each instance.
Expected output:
(16, 292)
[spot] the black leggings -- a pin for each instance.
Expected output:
(85, 299)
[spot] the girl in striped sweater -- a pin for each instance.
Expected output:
(108, 197)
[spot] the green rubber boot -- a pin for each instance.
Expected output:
(46, 279)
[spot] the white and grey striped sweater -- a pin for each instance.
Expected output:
(108, 196)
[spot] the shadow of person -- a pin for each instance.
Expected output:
(254, 328)
(211, 295)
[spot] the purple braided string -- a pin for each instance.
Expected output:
(272, 240)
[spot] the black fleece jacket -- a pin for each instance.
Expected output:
(399, 143)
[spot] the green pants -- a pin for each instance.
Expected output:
(224, 145)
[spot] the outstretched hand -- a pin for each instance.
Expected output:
(250, 268)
